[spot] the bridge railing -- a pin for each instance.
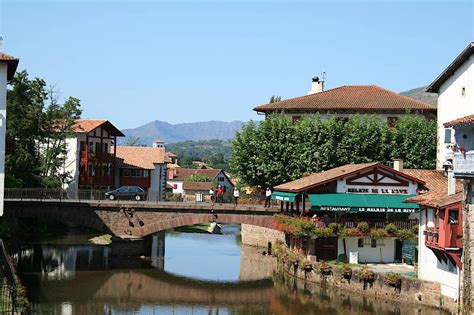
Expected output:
(58, 194)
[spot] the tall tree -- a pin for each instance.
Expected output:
(37, 129)
(275, 99)
(133, 141)
(414, 141)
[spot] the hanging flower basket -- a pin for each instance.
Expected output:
(308, 267)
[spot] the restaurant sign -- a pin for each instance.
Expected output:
(365, 209)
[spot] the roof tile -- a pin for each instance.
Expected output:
(140, 157)
(356, 97)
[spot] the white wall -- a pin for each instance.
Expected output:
(157, 182)
(429, 268)
(179, 186)
(452, 104)
(226, 183)
(3, 121)
(384, 252)
(71, 164)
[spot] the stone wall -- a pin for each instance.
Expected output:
(411, 291)
(260, 236)
(254, 265)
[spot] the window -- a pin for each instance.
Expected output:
(83, 146)
(91, 147)
(453, 216)
(105, 148)
(360, 242)
(392, 122)
(175, 186)
(463, 91)
(373, 242)
(447, 135)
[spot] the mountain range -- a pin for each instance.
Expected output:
(210, 130)
(206, 130)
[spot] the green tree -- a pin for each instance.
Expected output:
(264, 156)
(133, 141)
(275, 99)
(365, 138)
(414, 141)
(198, 178)
(38, 126)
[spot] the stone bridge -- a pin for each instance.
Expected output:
(145, 219)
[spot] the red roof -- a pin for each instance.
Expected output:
(460, 121)
(140, 157)
(436, 193)
(182, 173)
(12, 64)
(318, 179)
(87, 125)
(367, 98)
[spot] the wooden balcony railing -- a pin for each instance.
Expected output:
(442, 238)
(102, 156)
(107, 180)
(376, 223)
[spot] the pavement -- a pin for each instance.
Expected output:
(400, 268)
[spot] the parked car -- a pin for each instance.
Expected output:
(126, 192)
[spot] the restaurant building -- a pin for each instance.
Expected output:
(348, 195)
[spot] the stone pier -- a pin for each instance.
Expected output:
(260, 236)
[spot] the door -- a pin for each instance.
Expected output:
(398, 250)
(325, 248)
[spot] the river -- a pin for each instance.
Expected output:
(200, 274)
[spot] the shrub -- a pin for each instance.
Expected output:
(406, 234)
(366, 274)
(335, 227)
(391, 229)
(414, 229)
(349, 232)
(363, 227)
(378, 233)
(174, 197)
(393, 279)
(324, 268)
(323, 232)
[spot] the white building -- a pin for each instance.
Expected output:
(217, 175)
(90, 159)
(455, 87)
(347, 100)
(8, 65)
(440, 232)
(145, 167)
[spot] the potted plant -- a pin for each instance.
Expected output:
(324, 268)
(393, 279)
(366, 274)
(346, 271)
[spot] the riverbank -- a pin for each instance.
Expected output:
(401, 290)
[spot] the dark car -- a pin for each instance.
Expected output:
(126, 192)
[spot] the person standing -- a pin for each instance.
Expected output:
(211, 194)
(268, 197)
(220, 194)
(236, 195)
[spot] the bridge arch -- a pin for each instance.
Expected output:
(163, 224)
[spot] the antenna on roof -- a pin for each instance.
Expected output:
(323, 75)
(1, 43)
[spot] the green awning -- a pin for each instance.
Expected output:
(362, 203)
(283, 196)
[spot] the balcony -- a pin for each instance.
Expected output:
(443, 238)
(91, 156)
(106, 180)
(464, 164)
(374, 223)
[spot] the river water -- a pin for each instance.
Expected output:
(200, 274)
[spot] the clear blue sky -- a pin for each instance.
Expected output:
(184, 61)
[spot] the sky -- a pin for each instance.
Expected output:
(133, 62)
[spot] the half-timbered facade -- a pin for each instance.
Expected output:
(91, 155)
(370, 193)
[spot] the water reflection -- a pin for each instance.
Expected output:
(203, 274)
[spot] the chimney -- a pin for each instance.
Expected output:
(158, 144)
(317, 86)
(398, 165)
(451, 183)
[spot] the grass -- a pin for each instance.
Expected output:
(197, 228)
(105, 239)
